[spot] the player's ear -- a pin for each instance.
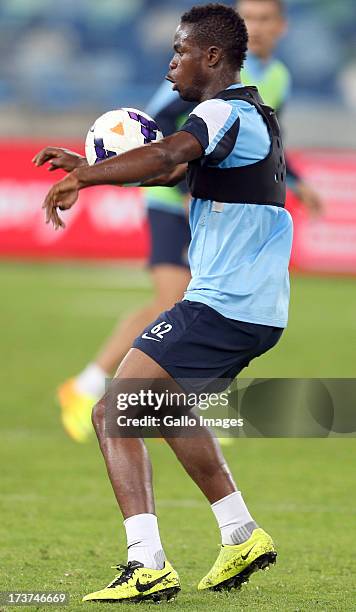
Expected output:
(214, 55)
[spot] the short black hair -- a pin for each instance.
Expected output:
(221, 26)
(280, 4)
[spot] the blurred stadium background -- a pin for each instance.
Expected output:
(61, 65)
(64, 63)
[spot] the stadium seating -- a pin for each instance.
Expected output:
(70, 55)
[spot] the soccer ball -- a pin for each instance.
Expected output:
(118, 131)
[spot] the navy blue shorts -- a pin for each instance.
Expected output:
(170, 238)
(193, 341)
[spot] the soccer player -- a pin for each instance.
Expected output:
(266, 24)
(169, 230)
(235, 307)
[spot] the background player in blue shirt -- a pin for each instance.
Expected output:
(236, 304)
(266, 24)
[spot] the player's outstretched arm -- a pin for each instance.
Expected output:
(59, 158)
(143, 163)
(135, 166)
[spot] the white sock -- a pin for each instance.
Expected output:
(91, 381)
(235, 522)
(143, 541)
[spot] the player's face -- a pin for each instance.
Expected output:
(188, 66)
(265, 25)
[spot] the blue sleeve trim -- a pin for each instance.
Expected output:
(227, 125)
(225, 146)
(197, 126)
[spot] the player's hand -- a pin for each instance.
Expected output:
(59, 158)
(61, 196)
(310, 198)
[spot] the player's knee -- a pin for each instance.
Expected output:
(98, 416)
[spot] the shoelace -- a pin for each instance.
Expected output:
(126, 573)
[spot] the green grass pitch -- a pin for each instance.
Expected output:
(60, 529)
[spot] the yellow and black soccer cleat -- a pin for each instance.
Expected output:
(235, 564)
(76, 409)
(138, 583)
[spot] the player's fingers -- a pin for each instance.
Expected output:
(51, 198)
(48, 214)
(36, 158)
(61, 223)
(45, 155)
(47, 199)
(49, 205)
(40, 157)
(56, 220)
(53, 218)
